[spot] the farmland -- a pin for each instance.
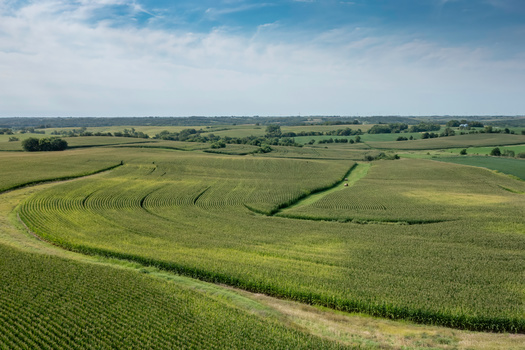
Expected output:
(505, 165)
(64, 304)
(428, 242)
(203, 208)
(463, 141)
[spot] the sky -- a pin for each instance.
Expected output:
(266, 58)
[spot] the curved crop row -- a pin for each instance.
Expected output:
(194, 220)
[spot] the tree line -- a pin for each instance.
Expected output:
(45, 144)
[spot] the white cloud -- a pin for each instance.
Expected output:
(55, 61)
(216, 12)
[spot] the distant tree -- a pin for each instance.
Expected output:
(357, 139)
(44, 144)
(265, 149)
(495, 152)
(273, 130)
(475, 124)
(218, 144)
(463, 151)
(13, 138)
(31, 144)
(58, 144)
(424, 127)
(508, 153)
(448, 132)
(453, 123)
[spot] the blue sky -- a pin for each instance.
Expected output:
(243, 57)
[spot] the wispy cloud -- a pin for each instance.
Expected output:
(59, 58)
(215, 12)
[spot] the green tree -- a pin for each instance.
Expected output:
(463, 151)
(273, 131)
(495, 152)
(31, 144)
(44, 144)
(58, 144)
(448, 132)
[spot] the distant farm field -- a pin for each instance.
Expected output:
(505, 165)
(463, 141)
(415, 239)
(19, 168)
(486, 150)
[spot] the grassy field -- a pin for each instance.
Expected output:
(459, 141)
(188, 212)
(486, 150)
(505, 165)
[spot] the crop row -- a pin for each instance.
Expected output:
(51, 303)
(445, 273)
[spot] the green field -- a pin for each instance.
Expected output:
(49, 302)
(458, 141)
(73, 142)
(189, 213)
(511, 166)
(19, 168)
(486, 150)
(420, 240)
